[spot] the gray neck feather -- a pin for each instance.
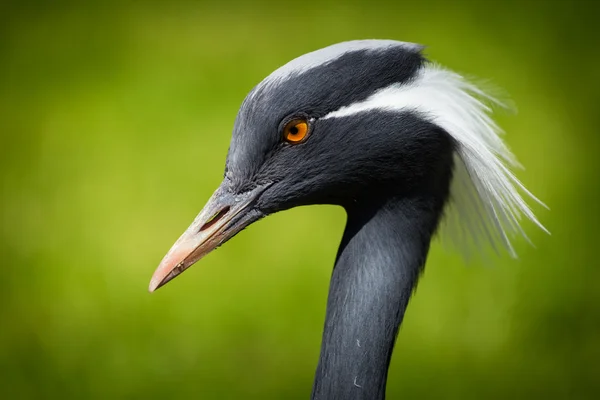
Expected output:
(382, 253)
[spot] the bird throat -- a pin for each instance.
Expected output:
(382, 253)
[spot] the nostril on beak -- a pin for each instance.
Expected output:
(215, 218)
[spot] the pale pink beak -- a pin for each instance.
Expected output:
(224, 215)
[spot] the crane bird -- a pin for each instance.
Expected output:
(404, 146)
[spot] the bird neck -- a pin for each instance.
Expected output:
(381, 255)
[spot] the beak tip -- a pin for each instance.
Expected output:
(160, 279)
(156, 282)
(153, 286)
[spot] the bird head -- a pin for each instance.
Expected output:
(351, 120)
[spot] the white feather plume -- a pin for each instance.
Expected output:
(486, 202)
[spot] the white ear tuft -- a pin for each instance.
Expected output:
(485, 197)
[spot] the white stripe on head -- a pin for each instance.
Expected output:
(331, 53)
(484, 194)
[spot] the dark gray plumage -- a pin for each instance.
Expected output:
(390, 138)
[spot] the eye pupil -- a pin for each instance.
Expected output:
(295, 131)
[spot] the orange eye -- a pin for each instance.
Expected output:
(295, 131)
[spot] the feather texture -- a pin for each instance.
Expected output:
(486, 200)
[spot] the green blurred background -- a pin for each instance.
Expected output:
(115, 119)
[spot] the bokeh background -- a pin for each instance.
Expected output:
(115, 119)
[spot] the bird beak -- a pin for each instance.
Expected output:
(224, 215)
